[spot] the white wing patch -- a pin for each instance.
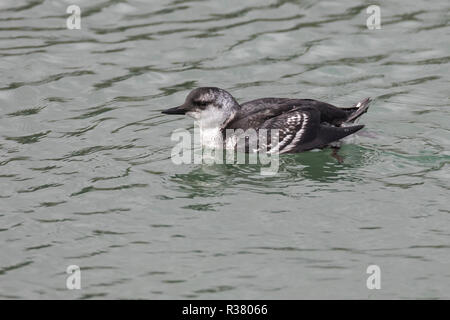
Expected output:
(292, 133)
(299, 135)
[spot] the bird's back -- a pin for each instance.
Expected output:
(303, 124)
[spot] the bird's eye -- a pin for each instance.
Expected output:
(201, 103)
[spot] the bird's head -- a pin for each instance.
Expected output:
(210, 105)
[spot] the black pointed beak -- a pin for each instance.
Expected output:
(176, 110)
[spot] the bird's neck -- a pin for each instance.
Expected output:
(211, 137)
(212, 127)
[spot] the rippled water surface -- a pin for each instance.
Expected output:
(85, 171)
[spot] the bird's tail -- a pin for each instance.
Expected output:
(359, 109)
(329, 134)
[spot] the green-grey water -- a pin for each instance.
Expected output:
(86, 176)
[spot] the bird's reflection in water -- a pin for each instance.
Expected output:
(301, 168)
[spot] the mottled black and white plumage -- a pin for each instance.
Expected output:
(303, 124)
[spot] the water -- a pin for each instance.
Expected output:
(86, 177)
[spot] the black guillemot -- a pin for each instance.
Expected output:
(302, 124)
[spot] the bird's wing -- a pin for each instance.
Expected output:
(302, 124)
(301, 130)
(295, 128)
(334, 115)
(254, 113)
(263, 109)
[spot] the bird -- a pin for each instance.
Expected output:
(302, 124)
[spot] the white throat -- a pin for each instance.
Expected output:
(210, 122)
(211, 137)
